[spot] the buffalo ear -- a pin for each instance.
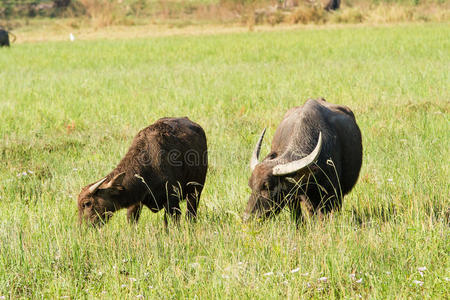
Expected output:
(115, 183)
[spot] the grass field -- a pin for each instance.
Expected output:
(68, 112)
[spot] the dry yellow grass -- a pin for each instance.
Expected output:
(98, 14)
(60, 30)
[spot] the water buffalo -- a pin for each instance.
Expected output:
(4, 38)
(333, 5)
(315, 160)
(166, 163)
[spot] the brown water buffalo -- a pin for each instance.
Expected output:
(166, 163)
(315, 160)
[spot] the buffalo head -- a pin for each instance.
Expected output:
(97, 202)
(271, 181)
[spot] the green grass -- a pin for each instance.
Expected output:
(396, 80)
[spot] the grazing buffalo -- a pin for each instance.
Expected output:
(4, 38)
(315, 160)
(166, 163)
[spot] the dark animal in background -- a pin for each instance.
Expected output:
(166, 163)
(4, 38)
(333, 5)
(61, 3)
(315, 160)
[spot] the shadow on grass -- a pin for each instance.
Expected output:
(436, 212)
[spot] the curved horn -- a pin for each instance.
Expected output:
(297, 165)
(95, 186)
(255, 156)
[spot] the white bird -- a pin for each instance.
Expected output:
(72, 37)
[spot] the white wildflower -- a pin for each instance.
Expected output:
(323, 279)
(359, 280)
(422, 269)
(418, 282)
(140, 296)
(75, 169)
(150, 286)
(132, 279)
(2, 297)
(305, 274)
(146, 274)
(320, 289)
(103, 292)
(295, 270)
(100, 273)
(308, 285)
(352, 276)
(123, 286)
(447, 279)
(268, 274)
(390, 180)
(388, 273)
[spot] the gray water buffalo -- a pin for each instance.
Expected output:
(166, 163)
(4, 38)
(315, 159)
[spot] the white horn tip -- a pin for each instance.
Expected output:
(95, 186)
(255, 157)
(295, 166)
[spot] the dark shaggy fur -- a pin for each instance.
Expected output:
(170, 156)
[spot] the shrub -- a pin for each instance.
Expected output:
(102, 12)
(349, 15)
(308, 14)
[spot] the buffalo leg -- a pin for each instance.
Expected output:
(308, 208)
(192, 205)
(296, 210)
(134, 212)
(172, 208)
